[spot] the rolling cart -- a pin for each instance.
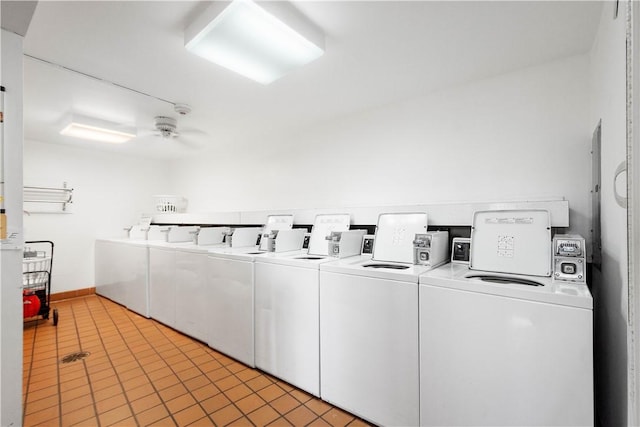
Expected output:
(36, 280)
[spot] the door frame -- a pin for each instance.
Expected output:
(633, 209)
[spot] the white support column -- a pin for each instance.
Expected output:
(11, 77)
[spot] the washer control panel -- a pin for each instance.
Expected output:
(305, 242)
(569, 269)
(460, 250)
(431, 248)
(344, 244)
(367, 244)
(573, 247)
(569, 262)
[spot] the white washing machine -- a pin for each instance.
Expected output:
(122, 268)
(287, 327)
(230, 295)
(504, 350)
(162, 288)
(192, 307)
(174, 277)
(369, 326)
(179, 279)
(121, 273)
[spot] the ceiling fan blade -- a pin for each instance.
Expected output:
(146, 132)
(192, 143)
(193, 132)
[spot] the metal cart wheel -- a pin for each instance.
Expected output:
(55, 317)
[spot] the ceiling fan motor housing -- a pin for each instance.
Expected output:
(166, 126)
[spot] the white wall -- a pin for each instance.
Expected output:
(517, 136)
(608, 88)
(504, 138)
(110, 193)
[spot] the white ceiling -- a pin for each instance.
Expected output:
(377, 53)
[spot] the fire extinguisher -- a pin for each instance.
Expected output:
(30, 304)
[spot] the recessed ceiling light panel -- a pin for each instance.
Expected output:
(96, 130)
(262, 42)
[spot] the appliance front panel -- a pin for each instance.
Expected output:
(230, 308)
(192, 305)
(287, 334)
(369, 347)
(497, 361)
(162, 285)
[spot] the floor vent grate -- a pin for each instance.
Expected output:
(73, 357)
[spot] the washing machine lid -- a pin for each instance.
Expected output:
(323, 225)
(157, 233)
(184, 246)
(278, 222)
(364, 265)
(275, 222)
(538, 289)
(182, 233)
(245, 237)
(124, 240)
(300, 259)
(511, 241)
(212, 235)
(239, 254)
(395, 233)
(138, 232)
(159, 244)
(188, 247)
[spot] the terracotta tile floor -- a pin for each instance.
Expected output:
(139, 372)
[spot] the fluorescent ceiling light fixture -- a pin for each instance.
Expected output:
(96, 130)
(262, 42)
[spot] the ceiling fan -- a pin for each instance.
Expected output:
(166, 128)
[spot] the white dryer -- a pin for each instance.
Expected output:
(369, 326)
(287, 329)
(504, 350)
